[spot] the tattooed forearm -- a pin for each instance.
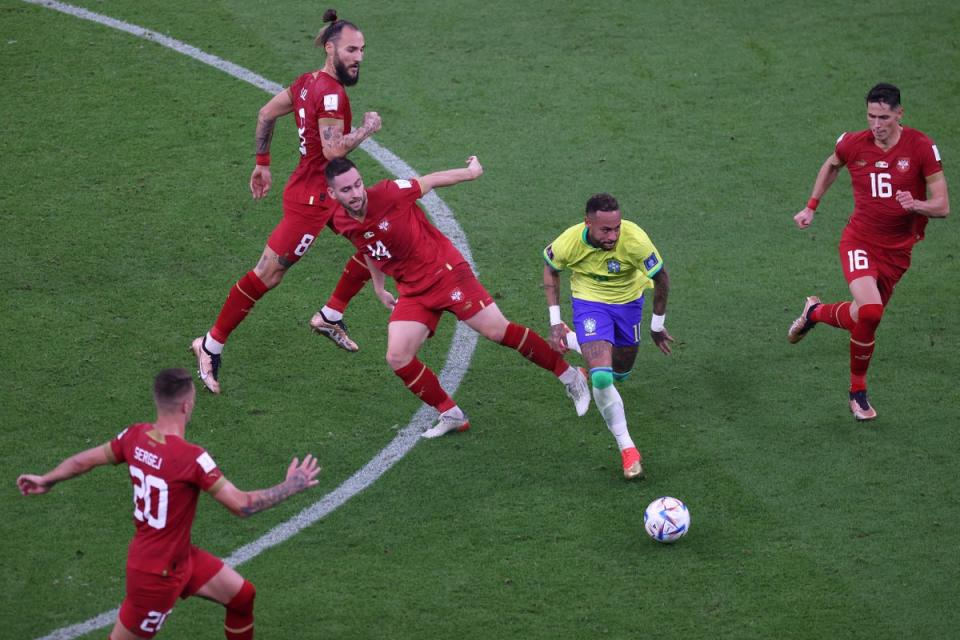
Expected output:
(264, 134)
(266, 498)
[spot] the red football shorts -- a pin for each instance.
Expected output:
(299, 227)
(150, 597)
(457, 291)
(859, 258)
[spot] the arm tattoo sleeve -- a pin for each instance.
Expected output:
(264, 135)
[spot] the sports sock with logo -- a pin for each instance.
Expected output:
(534, 348)
(240, 301)
(424, 384)
(354, 277)
(862, 343)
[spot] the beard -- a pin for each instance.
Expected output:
(343, 74)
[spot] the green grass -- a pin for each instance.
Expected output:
(126, 217)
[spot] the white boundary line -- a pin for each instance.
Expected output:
(458, 357)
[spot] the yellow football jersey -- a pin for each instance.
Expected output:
(616, 276)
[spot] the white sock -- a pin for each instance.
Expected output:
(454, 412)
(572, 342)
(611, 408)
(331, 314)
(569, 375)
(212, 346)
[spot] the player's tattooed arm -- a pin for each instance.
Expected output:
(336, 144)
(300, 476)
(260, 179)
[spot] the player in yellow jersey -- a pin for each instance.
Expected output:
(612, 262)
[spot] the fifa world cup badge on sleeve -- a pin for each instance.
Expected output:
(650, 262)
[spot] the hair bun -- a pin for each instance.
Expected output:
(330, 15)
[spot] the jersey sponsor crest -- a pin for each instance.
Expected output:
(303, 93)
(882, 164)
(206, 462)
(650, 261)
(120, 435)
(331, 102)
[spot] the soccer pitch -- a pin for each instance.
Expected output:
(126, 217)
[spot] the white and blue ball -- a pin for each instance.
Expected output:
(666, 519)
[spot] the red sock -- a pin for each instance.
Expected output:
(424, 384)
(240, 301)
(862, 343)
(836, 314)
(354, 277)
(534, 348)
(238, 624)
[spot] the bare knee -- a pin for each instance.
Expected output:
(270, 277)
(398, 359)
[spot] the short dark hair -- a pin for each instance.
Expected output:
(885, 93)
(331, 31)
(171, 385)
(602, 202)
(338, 167)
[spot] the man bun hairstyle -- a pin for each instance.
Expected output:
(885, 93)
(331, 31)
(602, 202)
(337, 167)
(171, 386)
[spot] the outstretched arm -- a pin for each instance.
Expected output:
(825, 177)
(279, 105)
(72, 467)
(661, 337)
(300, 477)
(431, 181)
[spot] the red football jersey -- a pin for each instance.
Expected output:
(876, 176)
(168, 474)
(315, 96)
(396, 233)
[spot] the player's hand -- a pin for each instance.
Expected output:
(662, 339)
(303, 475)
(804, 218)
(558, 337)
(905, 198)
(371, 121)
(474, 167)
(387, 299)
(32, 485)
(260, 181)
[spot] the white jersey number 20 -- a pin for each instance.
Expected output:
(149, 498)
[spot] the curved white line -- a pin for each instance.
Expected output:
(458, 357)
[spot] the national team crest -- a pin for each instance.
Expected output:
(589, 326)
(383, 226)
(613, 266)
(903, 165)
(303, 94)
(456, 295)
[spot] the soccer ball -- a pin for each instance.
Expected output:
(666, 519)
